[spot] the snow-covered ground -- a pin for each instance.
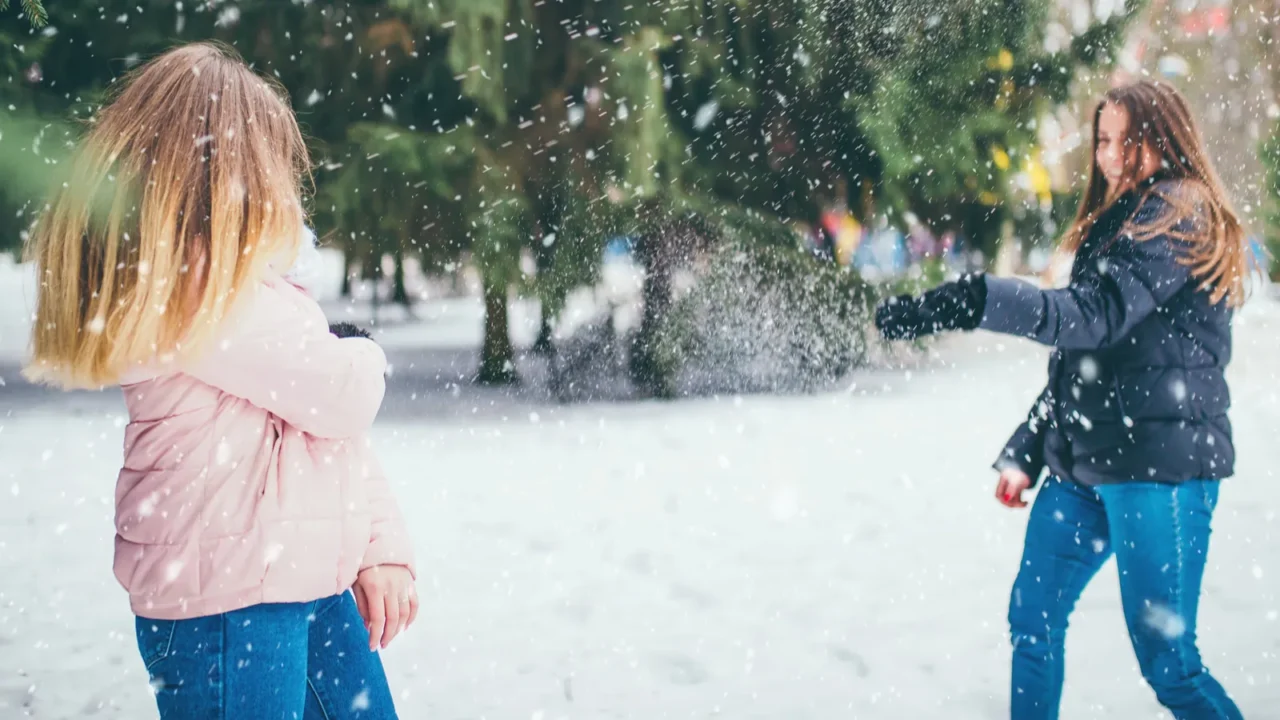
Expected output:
(17, 284)
(439, 322)
(835, 556)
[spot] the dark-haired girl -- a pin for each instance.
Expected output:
(1132, 426)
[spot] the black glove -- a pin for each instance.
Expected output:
(347, 330)
(951, 306)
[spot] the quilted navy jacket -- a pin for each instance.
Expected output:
(1136, 389)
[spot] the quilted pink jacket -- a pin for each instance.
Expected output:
(248, 477)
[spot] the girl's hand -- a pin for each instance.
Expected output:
(387, 601)
(1010, 487)
(955, 305)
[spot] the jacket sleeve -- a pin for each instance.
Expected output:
(276, 352)
(389, 541)
(1025, 449)
(1105, 301)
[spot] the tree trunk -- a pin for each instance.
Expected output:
(372, 265)
(372, 271)
(544, 258)
(649, 375)
(497, 357)
(347, 257)
(400, 295)
(544, 343)
(983, 228)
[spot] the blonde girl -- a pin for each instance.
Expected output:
(256, 535)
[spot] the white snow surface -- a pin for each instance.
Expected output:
(832, 556)
(17, 302)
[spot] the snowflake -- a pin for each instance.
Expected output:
(1165, 621)
(172, 572)
(705, 115)
(223, 453)
(1088, 369)
(148, 506)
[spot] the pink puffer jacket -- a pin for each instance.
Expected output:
(248, 477)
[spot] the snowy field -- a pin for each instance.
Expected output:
(835, 556)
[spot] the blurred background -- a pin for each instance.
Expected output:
(516, 154)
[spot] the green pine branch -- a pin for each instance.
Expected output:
(36, 14)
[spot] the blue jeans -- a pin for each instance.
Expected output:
(294, 661)
(1159, 534)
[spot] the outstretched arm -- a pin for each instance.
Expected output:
(1108, 298)
(1125, 284)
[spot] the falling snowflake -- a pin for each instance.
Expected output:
(222, 455)
(1165, 621)
(705, 115)
(148, 506)
(172, 572)
(273, 553)
(1088, 369)
(228, 17)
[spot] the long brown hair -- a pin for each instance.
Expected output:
(186, 186)
(1160, 120)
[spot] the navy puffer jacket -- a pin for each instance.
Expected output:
(1137, 390)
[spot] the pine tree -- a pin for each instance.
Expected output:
(33, 9)
(483, 129)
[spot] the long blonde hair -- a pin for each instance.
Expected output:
(1159, 119)
(187, 184)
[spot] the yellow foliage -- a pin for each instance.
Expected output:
(1000, 157)
(1002, 60)
(1041, 183)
